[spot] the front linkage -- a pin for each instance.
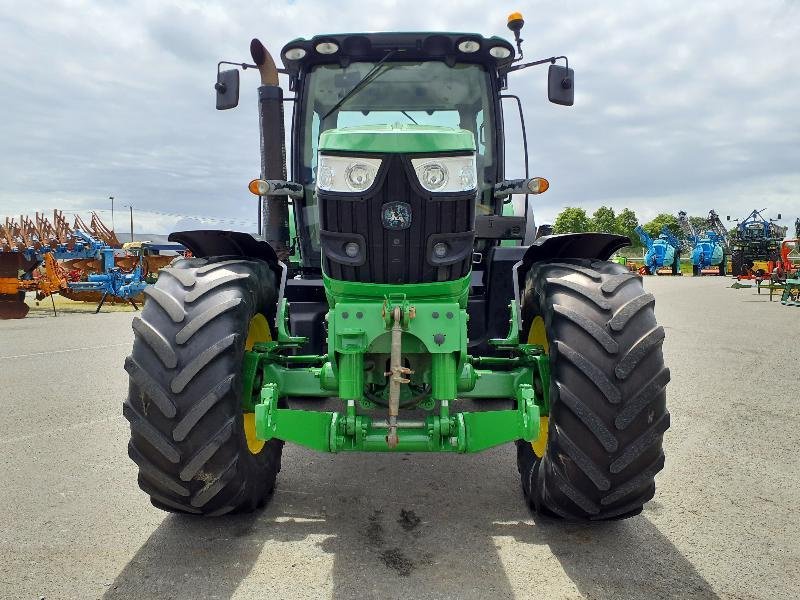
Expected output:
(420, 333)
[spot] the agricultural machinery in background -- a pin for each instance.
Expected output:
(755, 246)
(787, 271)
(80, 262)
(715, 224)
(410, 302)
(791, 286)
(789, 253)
(707, 249)
(663, 256)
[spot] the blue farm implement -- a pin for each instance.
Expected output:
(82, 262)
(112, 279)
(663, 253)
(707, 250)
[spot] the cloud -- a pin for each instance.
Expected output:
(679, 105)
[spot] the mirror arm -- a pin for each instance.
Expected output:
(552, 60)
(245, 66)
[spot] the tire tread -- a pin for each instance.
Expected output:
(607, 398)
(186, 361)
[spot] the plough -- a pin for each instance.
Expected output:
(85, 262)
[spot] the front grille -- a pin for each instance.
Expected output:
(396, 255)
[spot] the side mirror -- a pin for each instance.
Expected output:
(728, 217)
(779, 216)
(227, 87)
(561, 85)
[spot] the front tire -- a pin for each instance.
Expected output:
(189, 434)
(607, 391)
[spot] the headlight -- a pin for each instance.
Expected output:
(446, 173)
(327, 47)
(500, 52)
(433, 176)
(469, 46)
(346, 173)
(359, 176)
(294, 53)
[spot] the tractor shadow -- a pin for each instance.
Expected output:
(392, 526)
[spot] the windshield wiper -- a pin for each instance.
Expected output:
(369, 76)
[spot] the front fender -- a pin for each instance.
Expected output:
(552, 248)
(574, 245)
(214, 242)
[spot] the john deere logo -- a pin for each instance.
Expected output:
(396, 215)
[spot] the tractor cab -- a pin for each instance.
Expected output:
(405, 94)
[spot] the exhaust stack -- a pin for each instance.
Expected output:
(274, 209)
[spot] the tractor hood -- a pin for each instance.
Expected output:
(399, 138)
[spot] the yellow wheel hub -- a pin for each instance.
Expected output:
(257, 332)
(538, 335)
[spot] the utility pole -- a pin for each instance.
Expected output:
(112, 212)
(131, 207)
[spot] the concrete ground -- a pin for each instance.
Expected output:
(724, 523)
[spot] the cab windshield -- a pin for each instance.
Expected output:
(426, 93)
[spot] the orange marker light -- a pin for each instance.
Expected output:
(538, 185)
(258, 187)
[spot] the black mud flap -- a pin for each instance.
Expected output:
(574, 245)
(214, 242)
(552, 248)
(203, 243)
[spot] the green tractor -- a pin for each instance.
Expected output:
(393, 301)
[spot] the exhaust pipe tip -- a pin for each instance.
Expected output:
(264, 61)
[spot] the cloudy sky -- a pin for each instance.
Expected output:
(679, 105)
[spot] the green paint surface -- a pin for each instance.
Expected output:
(339, 290)
(434, 346)
(397, 138)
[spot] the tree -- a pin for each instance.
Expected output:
(603, 220)
(571, 220)
(671, 221)
(625, 225)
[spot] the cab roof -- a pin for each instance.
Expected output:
(409, 46)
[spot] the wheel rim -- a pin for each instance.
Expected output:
(537, 334)
(257, 332)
